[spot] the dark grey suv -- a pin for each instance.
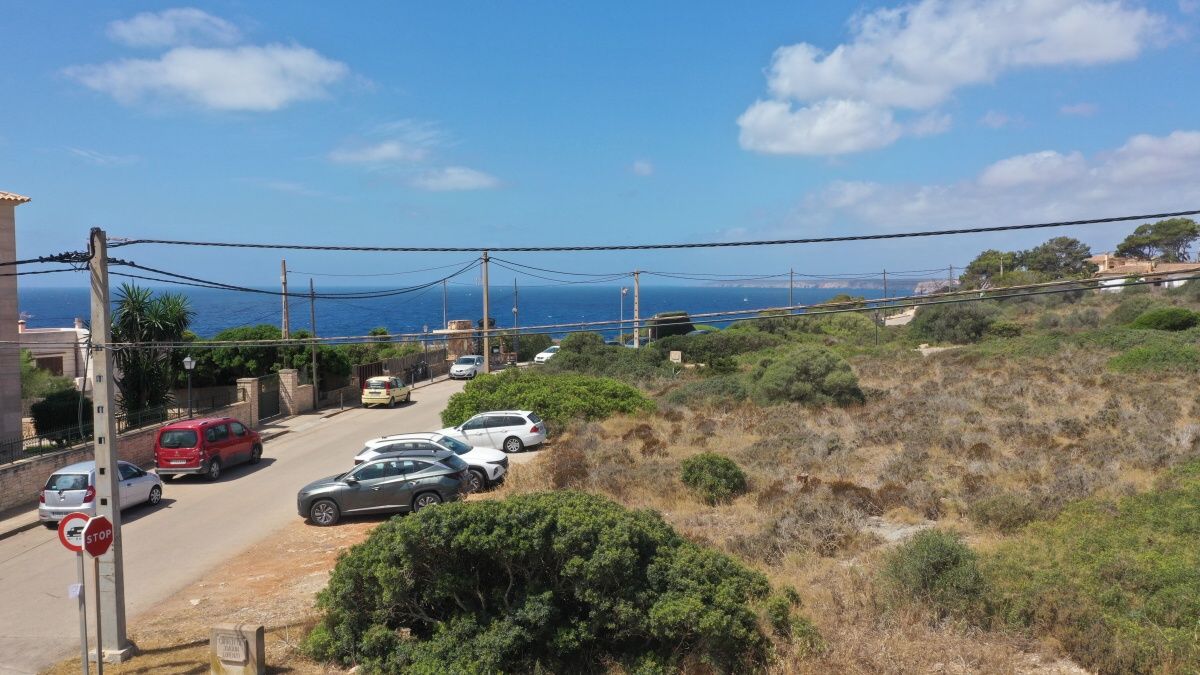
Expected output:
(391, 483)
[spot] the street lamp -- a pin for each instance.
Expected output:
(188, 364)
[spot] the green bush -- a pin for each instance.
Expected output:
(557, 397)
(719, 389)
(711, 347)
(57, 417)
(1168, 358)
(1167, 318)
(586, 354)
(959, 323)
(39, 382)
(805, 374)
(545, 582)
(1006, 329)
(1130, 308)
(1115, 583)
(1006, 512)
(937, 568)
(715, 478)
(528, 346)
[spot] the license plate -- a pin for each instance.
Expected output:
(179, 461)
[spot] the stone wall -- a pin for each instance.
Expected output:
(20, 481)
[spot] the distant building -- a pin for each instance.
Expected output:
(10, 357)
(62, 351)
(935, 286)
(1113, 271)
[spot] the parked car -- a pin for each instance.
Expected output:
(72, 489)
(385, 390)
(507, 430)
(205, 446)
(466, 367)
(487, 466)
(394, 482)
(546, 354)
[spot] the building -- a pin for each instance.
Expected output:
(62, 351)
(10, 357)
(1113, 271)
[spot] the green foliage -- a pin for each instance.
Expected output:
(711, 347)
(715, 478)
(147, 373)
(959, 323)
(39, 382)
(1165, 357)
(1167, 240)
(1006, 512)
(545, 582)
(1115, 583)
(1059, 258)
(805, 374)
(557, 397)
(987, 266)
(1167, 318)
(719, 389)
(1005, 329)
(58, 416)
(528, 345)
(937, 568)
(586, 353)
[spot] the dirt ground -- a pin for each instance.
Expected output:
(272, 584)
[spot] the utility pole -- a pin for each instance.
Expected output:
(885, 294)
(516, 335)
(445, 318)
(312, 316)
(637, 290)
(287, 322)
(112, 643)
(487, 343)
(791, 285)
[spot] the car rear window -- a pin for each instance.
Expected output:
(455, 463)
(465, 361)
(376, 384)
(70, 481)
(177, 438)
(534, 418)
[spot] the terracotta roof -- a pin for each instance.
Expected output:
(1136, 268)
(12, 197)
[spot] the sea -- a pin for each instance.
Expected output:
(418, 311)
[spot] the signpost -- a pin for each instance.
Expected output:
(81, 534)
(70, 533)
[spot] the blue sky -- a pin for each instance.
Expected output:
(556, 123)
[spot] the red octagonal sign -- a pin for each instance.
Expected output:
(97, 536)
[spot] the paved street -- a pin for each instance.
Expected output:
(198, 526)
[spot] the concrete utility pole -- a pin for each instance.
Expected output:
(791, 285)
(487, 342)
(312, 316)
(112, 643)
(445, 318)
(516, 336)
(637, 291)
(885, 283)
(287, 323)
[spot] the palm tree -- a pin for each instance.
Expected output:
(143, 319)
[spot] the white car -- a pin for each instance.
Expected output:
(508, 430)
(466, 367)
(486, 466)
(73, 488)
(545, 355)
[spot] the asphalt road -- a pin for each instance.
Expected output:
(197, 527)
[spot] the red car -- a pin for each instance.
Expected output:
(205, 446)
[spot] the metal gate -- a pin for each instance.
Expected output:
(268, 396)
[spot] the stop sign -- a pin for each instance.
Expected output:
(97, 536)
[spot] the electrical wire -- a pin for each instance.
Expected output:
(378, 274)
(597, 280)
(54, 271)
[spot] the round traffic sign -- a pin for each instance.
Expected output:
(70, 531)
(97, 536)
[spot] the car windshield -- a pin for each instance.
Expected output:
(534, 418)
(456, 445)
(67, 481)
(455, 463)
(178, 438)
(552, 349)
(465, 361)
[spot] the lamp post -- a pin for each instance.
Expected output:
(621, 325)
(188, 364)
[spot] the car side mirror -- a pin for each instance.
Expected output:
(351, 481)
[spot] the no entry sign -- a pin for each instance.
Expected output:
(97, 536)
(70, 531)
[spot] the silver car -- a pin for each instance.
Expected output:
(72, 489)
(507, 430)
(466, 368)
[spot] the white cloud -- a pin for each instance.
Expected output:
(238, 78)
(172, 27)
(914, 57)
(642, 167)
(930, 124)
(994, 119)
(1146, 174)
(384, 152)
(454, 178)
(402, 141)
(1079, 109)
(102, 159)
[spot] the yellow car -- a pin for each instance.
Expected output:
(385, 390)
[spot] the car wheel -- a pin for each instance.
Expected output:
(155, 496)
(256, 454)
(391, 403)
(476, 481)
(426, 499)
(513, 444)
(214, 469)
(324, 513)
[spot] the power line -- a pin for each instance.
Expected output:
(642, 247)
(379, 274)
(67, 257)
(54, 271)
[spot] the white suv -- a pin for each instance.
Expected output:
(466, 368)
(486, 466)
(508, 430)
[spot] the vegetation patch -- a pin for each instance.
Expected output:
(558, 397)
(542, 582)
(1158, 358)
(936, 567)
(1167, 318)
(715, 478)
(807, 374)
(959, 323)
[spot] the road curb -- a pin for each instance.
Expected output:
(17, 529)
